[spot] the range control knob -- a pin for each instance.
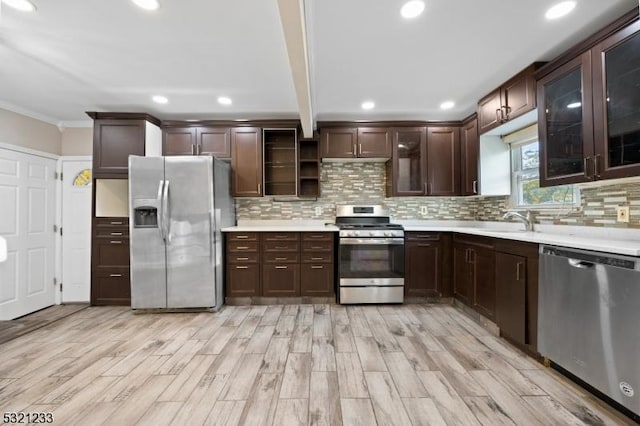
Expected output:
(388, 234)
(372, 233)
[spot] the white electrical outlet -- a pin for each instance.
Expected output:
(423, 210)
(623, 213)
(318, 211)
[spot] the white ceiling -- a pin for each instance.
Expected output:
(75, 56)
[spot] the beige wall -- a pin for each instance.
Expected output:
(77, 141)
(17, 129)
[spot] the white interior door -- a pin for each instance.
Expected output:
(27, 212)
(76, 231)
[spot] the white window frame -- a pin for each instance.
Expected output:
(515, 140)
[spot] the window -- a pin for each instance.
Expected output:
(525, 175)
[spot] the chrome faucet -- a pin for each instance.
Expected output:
(528, 223)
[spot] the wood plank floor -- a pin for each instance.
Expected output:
(9, 330)
(295, 364)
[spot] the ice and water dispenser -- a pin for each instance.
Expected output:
(145, 217)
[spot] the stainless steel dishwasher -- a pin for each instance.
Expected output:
(589, 319)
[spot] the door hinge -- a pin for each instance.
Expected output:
(55, 228)
(61, 231)
(57, 175)
(60, 287)
(55, 281)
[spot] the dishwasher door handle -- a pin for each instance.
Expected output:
(580, 264)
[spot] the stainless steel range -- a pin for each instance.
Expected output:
(371, 253)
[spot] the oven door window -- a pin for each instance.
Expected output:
(372, 261)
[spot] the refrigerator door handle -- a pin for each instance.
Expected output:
(166, 218)
(160, 212)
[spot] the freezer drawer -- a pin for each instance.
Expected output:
(349, 295)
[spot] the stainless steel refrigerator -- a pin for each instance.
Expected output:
(177, 206)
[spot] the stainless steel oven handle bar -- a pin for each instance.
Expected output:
(371, 241)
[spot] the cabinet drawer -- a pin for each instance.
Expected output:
(243, 280)
(422, 236)
(112, 221)
(111, 253)
(317, 246)
(242, 257)
(312, 257)
(280, 236)
(111, 288)
(317, 236)
(242, 246)
(281, 257)
(280, 246)
(316, 280)
(242, 236)
(113, 232)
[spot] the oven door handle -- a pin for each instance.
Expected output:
(371, 241)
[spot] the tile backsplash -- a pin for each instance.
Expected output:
(364, 183)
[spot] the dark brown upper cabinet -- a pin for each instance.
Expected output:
(589, 121)
(355, 142)
(179, 141)
(469, 152)
(214, 141)
(280, 162)
(514, 98)
(565, 123)
(443, 161)
(113, 141)
(246, 162)
(407, 170)
(425, 161)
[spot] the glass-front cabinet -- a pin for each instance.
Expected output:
(589, 113)
(616, 104)
(408, 175)
(564, 121)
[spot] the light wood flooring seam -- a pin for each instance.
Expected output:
(276, 365)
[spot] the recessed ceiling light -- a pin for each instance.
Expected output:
(367, 105)
(22, 5)
(223, 100)
(559, 10)
(147, 4)
(412, 8)
(574, 105)
(447, 105)
(160, 99)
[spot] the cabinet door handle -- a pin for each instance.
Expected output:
(116, 234)
(596, 166)
(359, 149)
(281, 258)
(242, 248)
(316, 248)
(193, 149)
(199, 149)
(242, 258)
(317, 258)
(354, 150)
(499, 115)
(507, 109)
(259, 189)
(586, 167)
(317, 267)
(281, 267)
(115, 242)
(116, 223)
(518, 273)
(242, 237)
(472, 256)
(242, 267)
(424, 188)
(475, 186)
(115, 275)
(281, 248)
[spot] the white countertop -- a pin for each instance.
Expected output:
(611, 240)
(282, 226)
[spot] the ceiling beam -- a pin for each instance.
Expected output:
(292, 18)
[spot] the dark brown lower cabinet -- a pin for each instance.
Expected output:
(243, 280)
(474, 273)
(316, 280)
(280, 264)
(517, 292)
(462, 274)
(110, 282)
(281, 280)
(511, 290)
(427, 264)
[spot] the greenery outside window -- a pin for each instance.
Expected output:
(525, 176)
